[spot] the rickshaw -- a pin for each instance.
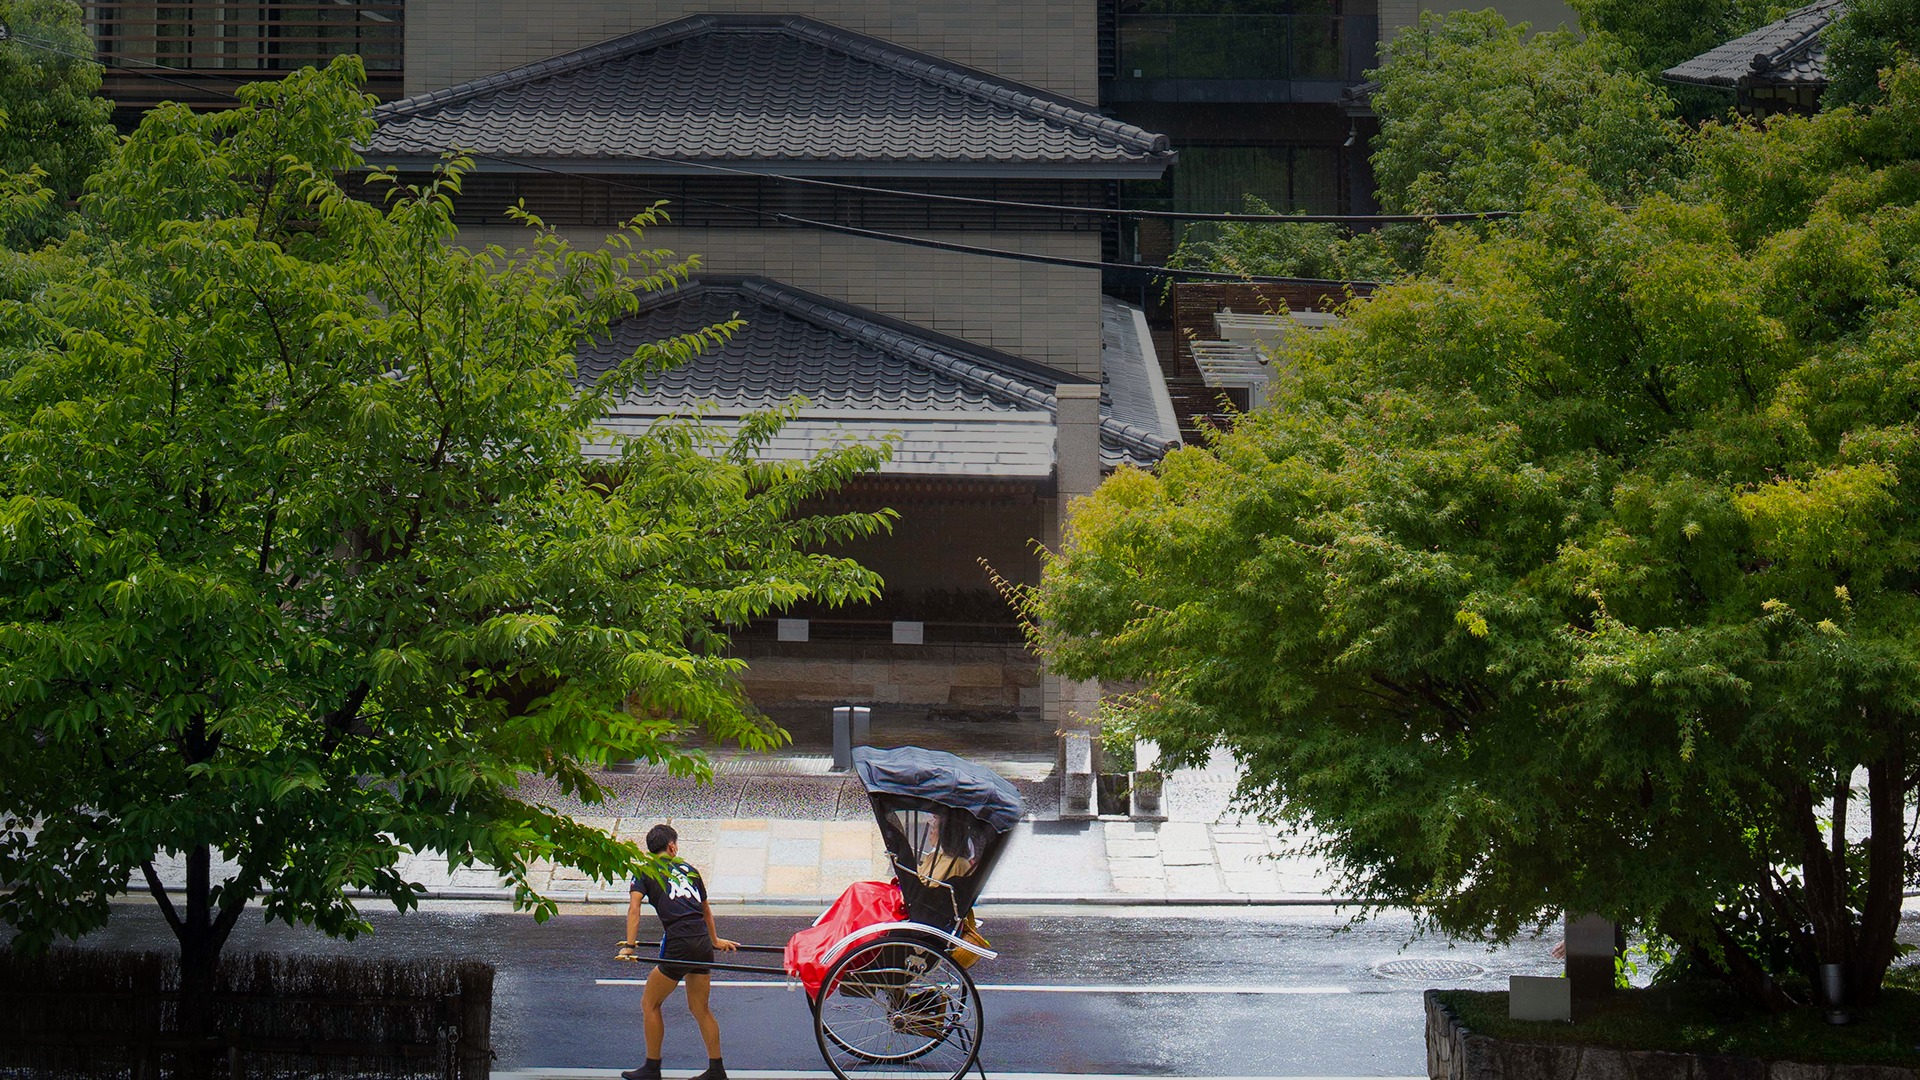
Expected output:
(885, 967)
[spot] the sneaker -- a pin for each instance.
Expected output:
(641, 1073)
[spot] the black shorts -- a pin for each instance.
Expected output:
(697, 949)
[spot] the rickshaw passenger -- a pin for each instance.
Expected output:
(949, 851)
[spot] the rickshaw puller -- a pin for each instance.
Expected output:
(686, 934)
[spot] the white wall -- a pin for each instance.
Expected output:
(1051, 44)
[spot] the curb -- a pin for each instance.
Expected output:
(1116, 900)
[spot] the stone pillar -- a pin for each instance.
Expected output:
(1073, 705)
(1592, 944)
(1076, 453)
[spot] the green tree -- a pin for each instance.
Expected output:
(1578, 575)
(52, 123)
(303, 556)
(1285, 249)
(1472, 110)
(1662, 33)
(1870, 37)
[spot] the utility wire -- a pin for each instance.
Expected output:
(1149, 269)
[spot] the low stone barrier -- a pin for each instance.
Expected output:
(1455, 1052)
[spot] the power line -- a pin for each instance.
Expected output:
(1150, 269)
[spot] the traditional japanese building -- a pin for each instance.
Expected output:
(1780, 67)
(902, 200)
(898, 232)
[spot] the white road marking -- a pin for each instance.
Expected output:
(824, 1075)
(1163, 988)
(1058, 988)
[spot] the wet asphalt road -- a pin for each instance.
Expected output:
(1341, 1015)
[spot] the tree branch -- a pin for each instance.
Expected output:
(266, 534)
(339, 722)
(159, 892)
(243, 887)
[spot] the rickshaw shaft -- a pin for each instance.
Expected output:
(715, 965)
(739, 948)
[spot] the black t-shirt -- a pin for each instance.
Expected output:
(680, 900)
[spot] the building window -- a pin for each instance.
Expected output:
(1218, 179)
(215, 44)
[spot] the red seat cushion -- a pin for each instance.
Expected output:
(865, 903)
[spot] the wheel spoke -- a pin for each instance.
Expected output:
(898, 1009)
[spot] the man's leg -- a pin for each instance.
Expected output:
(659, 987)
(698, 989)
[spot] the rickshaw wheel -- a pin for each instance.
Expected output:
(898, 1007)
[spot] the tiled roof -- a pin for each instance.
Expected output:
(1135, 389)
(760, 90)
(1789, 52)
(858, 369)
(776, 355)
(1357, 100)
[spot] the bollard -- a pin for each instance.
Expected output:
(1077, 797)
(1833, 993)
(851, 725)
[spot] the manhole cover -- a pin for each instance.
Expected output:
(1428, 969)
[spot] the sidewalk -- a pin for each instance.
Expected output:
(786, 830)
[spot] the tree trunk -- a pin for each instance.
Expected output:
(1746, 975)
(1886, 869)
(1824, 884)
(1866, 945)
(202, 928)
(199, 957)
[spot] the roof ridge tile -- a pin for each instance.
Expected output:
(1795, 40)
(967, 372)
(1078, 117)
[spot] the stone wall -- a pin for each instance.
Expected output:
(967, 676)
(1455, 1052)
